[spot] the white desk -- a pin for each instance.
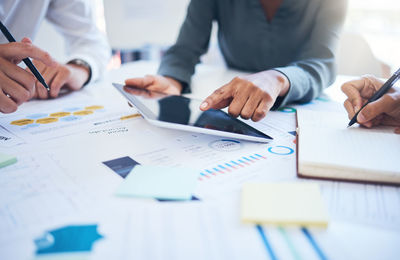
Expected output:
(62, 181)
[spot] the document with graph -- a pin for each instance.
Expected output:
(328, 149)
(51, 119)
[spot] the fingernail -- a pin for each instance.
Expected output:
(361, 118)
(356, 108)
(204, 105)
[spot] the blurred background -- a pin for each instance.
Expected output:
(143, 30)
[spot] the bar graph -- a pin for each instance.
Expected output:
(231, 166)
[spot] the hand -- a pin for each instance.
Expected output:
(250, 96)
(384, 111)
(16, 84)
(60, 76)
(143, 92)
(156, 83)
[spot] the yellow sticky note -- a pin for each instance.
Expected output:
(283, 204)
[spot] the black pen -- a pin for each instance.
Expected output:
(27, 61)
(388, 84)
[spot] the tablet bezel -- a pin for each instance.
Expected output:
(151, 118)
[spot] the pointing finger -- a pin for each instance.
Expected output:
(220, 98)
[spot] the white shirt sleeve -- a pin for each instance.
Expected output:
(83, 40)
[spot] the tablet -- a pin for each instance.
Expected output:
(183, 113)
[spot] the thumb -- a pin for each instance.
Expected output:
(372, 110)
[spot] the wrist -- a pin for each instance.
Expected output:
(79, 76)
(281, 81)
(175, 84)
(82, 68)
(272, 80)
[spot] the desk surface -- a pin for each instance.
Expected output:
(60, 180)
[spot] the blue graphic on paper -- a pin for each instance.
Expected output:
(68, 239)
(30, 126)
(69, 118)
(287, 110)
(37, 116)
(122, 166)
(280, 150)
(72, 109)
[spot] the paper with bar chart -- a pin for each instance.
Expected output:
(222, 163)
(68, 118)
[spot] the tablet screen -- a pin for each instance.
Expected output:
(185, 111)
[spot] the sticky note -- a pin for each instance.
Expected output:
(6, 160)
(159, 182)
(283, 204)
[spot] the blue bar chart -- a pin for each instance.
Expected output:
(231, 166)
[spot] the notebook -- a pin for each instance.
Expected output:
(327, 149)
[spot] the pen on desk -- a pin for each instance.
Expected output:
(27, 61)
(385, 87)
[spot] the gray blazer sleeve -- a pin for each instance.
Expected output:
(180, 60)
(315, 69)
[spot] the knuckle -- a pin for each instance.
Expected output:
(248, 86)
(251, 84)
(46, 55)
(233, 111)
(260, 92)
(348, 106)
(245, 115)
(219, 91)
(210, 99)
(24, 95)
(27, 46)
(259, 114)
(267, 97)
(344, 87)
(236, 80)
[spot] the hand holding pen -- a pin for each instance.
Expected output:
(16, 84)
(373, 102)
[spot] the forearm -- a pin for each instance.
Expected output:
(314, 68)
(74, 20)
(180, 60)
(307, 80)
